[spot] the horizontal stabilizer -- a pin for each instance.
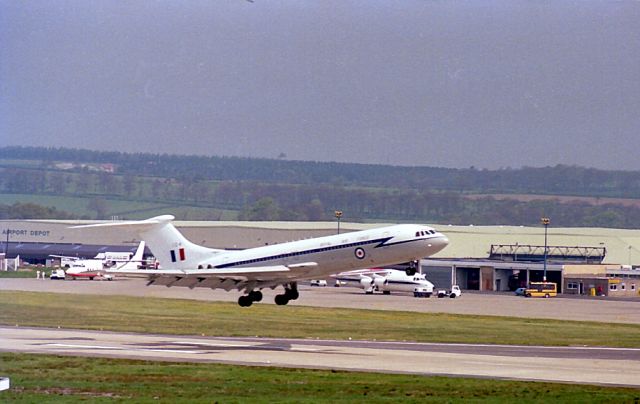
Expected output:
(137, 224)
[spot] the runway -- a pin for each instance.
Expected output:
(606, 366)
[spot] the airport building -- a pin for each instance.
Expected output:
(483, 258)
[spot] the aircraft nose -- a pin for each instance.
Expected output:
(440, 242)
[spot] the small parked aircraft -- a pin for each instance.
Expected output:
(96, 267)
(386, 280)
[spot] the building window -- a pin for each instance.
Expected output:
(633, 286)
(622, 286)
(613, 286)
(572, 285)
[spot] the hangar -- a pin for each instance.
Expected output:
(484, 258)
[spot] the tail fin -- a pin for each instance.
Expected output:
(166, 243)
(136, 260)
(139, 252)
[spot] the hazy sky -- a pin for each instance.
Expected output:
(436, 83)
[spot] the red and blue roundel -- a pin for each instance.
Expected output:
(359, 253)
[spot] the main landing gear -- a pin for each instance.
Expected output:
(248, 299)
(290, 293)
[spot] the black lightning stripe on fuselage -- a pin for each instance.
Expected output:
(381, 242)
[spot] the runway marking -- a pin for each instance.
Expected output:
(113, 348)
(247, 346)
(222, 344)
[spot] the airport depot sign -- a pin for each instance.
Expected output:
(24, 233)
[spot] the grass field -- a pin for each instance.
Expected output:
(191, 317)
(45, 378)
(129, 209)
(24, 273)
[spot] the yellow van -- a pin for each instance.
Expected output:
(541, 289)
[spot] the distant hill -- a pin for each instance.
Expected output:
(105, 184)
(559, 180)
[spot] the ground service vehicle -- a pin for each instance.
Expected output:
(57, 274)
(453, 293)
(422, 292)
(541, 289)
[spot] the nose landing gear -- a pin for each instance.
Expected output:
(412, 268)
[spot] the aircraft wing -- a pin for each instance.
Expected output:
(64, 256)
(247, 278)
(359, 273)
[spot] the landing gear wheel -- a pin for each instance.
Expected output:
(245, 301)
(292, 294)
(255, 295)
(281, 300)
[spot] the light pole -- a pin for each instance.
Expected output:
(545, 222)
(338, 215)
(6, 245)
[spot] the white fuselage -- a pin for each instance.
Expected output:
(343, 252)
(399, 281)
(85, 268)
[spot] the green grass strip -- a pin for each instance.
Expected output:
(47, 378)
(192, 317)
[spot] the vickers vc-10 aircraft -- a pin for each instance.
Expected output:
(191, 265)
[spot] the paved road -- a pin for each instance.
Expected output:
(580, 309)
(605, 366)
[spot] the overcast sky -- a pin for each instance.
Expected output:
(434, 83)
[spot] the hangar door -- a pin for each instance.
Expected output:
(468, 278)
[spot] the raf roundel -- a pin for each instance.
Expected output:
(359, 253)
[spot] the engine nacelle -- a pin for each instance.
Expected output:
(366, 282)
(380, 282)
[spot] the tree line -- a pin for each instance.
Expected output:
(557, 180)
(254, 200)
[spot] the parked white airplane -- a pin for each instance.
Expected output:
(253, 269)
(95, 267)
(84, 268)
(108, 258)
(386, 280)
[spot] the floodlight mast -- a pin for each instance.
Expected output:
(545, 222)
